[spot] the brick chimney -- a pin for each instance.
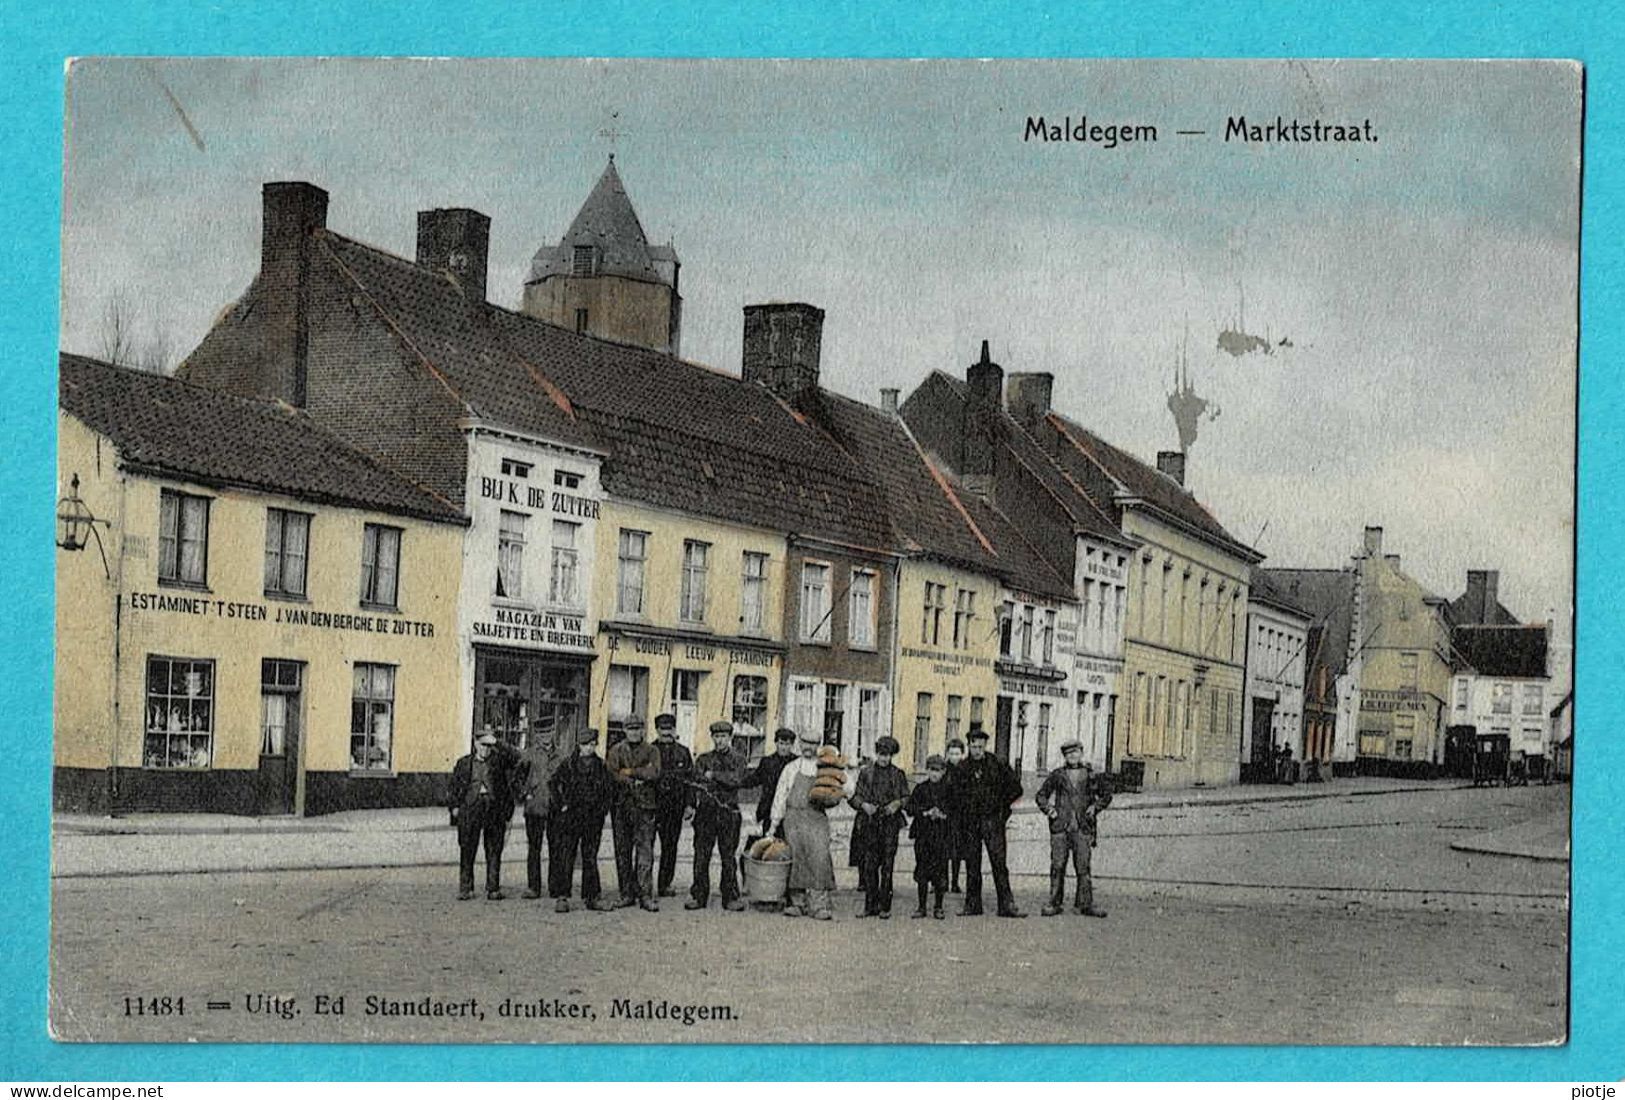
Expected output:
(292, 212)
(1373, 542)
(1172, 465)
(456, 242)
(985, 380)
(888, 400)
(1027, 395)
(783, 342)
(1483, 594)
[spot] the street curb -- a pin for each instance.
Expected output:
(1487, 850)
(1250, 799)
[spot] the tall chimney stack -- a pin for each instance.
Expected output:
(783, 344)
(1483, 592)
(291, 214)
(986, 382)
(1373, 542)
(888, 400)
(456, 242)
(1172, 465)
(1028, 395)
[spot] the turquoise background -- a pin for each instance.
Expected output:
(36, 44)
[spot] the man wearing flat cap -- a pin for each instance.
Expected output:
(671, 798)
(983, 789)
(1072, 797)
(766, 773)
(582, 791)
(718, 775)
(481, 800)
(878, 798)
(634, 765)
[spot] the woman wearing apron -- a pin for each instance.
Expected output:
(806, 830)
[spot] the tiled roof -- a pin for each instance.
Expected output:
(1136, 479)
(1463, 610)
(608, 224)
(675, 434)
(1267, 589)
(1328, 596)
(1502, 650)
(930, 511)
(165, 426)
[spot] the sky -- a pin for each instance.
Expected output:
(1426, 282)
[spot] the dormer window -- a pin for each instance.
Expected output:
(582, 260)
(564, 479)
(514, 468)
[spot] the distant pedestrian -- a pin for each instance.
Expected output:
(582, 791)
(955, 750)
(533, 776)
(718, 775)
(983, 790)
(634, 764)
(806, 828)
(481, 799)
(932, 833)
(1072, 797)
(672, 801)
(878, 797)
(767, 771)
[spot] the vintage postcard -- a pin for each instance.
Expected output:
(630, 551)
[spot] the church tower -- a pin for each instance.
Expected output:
(605, 278)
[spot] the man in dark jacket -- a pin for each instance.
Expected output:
(1071, 798)
(581, 793)
(878, 798)
(634, 765)
(532, 774)
(983, 789)
(766, 773)
(480, 798)
(671, 798)
(718, 775)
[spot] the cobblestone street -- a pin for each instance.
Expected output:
(1342, 918)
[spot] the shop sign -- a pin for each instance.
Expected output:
(536, 627)
(507, 491)
(1033, 688)
(237, 611)
(947, 664)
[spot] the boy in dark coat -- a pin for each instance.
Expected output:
(582, 790)
(932, 833)
(881, 791)
(481, 798)
(955, 750)
(1071, 798)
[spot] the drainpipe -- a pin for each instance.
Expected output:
(113, 784)
(896, 648)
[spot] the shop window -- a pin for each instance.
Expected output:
(634, 549)
(380, 565)
(179, 713)
(511, 555)
(183, 538)
(804, 706)
(815, 603)
(565, 590)
(1373, 743)
(628, 698)
(753, 593)
(860, 625)
(372, 717)
(750, 713)
(287, 548)
(695, 569)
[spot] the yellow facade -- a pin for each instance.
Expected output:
(688, 664)
(942, 687)
(1405, 677)
(110, 629)
(629, 311)
(1182, 687)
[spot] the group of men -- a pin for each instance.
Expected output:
(649, 790)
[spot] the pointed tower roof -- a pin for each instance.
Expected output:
(606, 223)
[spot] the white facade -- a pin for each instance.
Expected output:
(1277, 651)
(525, 609)
(1034, 711)
(1518, 707)
(1101, 582)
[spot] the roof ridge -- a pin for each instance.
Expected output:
(947, 491)
(274, 404)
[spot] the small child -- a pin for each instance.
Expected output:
(956, 753)
(932, 834)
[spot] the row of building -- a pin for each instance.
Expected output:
(373, 513)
